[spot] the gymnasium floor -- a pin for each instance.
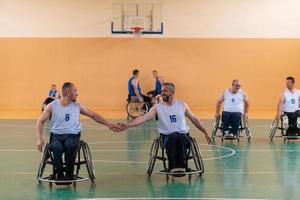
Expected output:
(260, 170)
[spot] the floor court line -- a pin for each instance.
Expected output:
(144, 173)
(145, 150)
(166, 198)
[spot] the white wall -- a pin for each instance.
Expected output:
(182, 18)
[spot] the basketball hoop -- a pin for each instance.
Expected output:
(137, 31)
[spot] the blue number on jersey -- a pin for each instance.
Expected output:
(173, 118)
(67, 117)
(293, 101)
(232, 100)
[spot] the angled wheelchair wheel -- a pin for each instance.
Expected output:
(88, 161)
(215, 127)
(152, 156)
(273, 129)
(43, 163)
(246, 127)
(136, 109)
(197, 157)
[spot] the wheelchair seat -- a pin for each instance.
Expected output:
(244, 126)
(193, 153)
(47, 159)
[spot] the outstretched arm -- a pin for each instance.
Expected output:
(140, 120)
(196, 121)
(95, 116)
(40, 124)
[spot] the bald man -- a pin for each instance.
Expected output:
(65, 129)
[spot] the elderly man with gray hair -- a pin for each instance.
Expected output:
(172, 125)
(236, 103)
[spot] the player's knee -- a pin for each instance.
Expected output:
(57, 147)
(71, 145)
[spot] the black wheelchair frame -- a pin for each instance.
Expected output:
(47, 159)
(277, 124)
(193, 152)
(244, 126)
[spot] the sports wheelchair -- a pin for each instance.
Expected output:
(244, 126)
(47, 159)
(135, 108)
(282, 124)
(193, 152)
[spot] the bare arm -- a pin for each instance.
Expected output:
(96, 117)
(196, 121)
(279, 106)
(219, 103)
(246, 99)
(161, 80)
(135, 88)
(149, 115)
(40, 124)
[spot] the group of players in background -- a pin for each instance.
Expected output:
(170, 114)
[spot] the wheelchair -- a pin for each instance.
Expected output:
(193, 152)
(47, 159)
(135, 108)
(244, 126)
(282, 125)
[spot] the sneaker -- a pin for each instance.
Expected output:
(59, 177)
(69, 179)
(226, 134)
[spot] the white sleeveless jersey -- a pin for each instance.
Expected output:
(234, 102)
(171, 119)
(65, 120)
(291, 100)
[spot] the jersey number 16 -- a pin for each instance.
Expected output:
(173, 118)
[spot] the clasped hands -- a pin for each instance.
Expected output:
(118, 127)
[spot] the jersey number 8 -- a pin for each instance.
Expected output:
(67, 118)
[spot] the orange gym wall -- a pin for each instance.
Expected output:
(100, 67)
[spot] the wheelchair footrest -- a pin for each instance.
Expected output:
(230, 137)
(50, 179)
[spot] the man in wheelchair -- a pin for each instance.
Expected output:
(65, 130)
(158, 85)
(288, 108)
(172, 125)
(236, 104)
(134, 89)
